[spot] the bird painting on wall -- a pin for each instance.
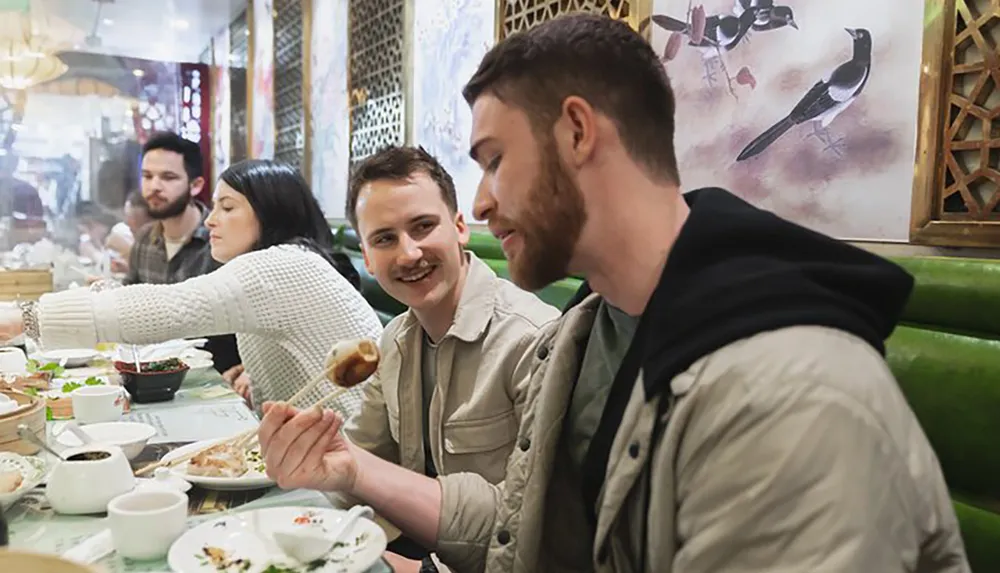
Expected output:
(827, 98)
(768, 16)
(721, 30)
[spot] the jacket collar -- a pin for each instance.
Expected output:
(475, 306)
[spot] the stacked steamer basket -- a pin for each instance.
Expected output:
(24, 284)
(32, 416)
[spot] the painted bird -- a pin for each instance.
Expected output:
(827, 98)
(721, 31)
(769, 16)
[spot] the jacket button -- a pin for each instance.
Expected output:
(524, 444)
(633, 449)
(543, 352)
(503, 538)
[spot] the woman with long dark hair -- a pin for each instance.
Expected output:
(281, 290)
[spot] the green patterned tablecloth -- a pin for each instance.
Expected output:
(204, 408)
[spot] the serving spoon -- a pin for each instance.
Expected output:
(25, 433)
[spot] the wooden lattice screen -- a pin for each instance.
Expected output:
(289, 113)
(956, 197)
(376, 79)
(239, 54)
(519, 15)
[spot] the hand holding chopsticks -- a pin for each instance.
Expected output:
(348, 364)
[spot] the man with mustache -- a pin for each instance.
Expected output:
(175, 247)
(445, 398)
(719, 402)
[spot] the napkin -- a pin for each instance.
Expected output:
(155, 352)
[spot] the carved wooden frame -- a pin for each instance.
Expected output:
(948, 110)
(637, 11)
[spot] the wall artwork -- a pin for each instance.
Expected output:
(262, 100)
(221, 103)
(331, 120)
(450, 38)
(807, 109)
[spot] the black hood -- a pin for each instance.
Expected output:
(736, 270)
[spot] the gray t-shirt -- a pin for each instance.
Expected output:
(610, 337)
(428, 375)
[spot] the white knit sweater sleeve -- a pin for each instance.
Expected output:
(249, 294)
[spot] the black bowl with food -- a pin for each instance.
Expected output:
(155, 382)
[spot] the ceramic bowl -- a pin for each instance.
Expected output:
(75, 357)
(88, 478)
(148, 386)
(131, 437)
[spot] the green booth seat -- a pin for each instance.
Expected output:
(945, 355)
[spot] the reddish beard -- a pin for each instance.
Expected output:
(549, 226)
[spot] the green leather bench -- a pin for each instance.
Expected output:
(946, 356)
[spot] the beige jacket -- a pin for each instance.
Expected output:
(475, 409)
(784, 453)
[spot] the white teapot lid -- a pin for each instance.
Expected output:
(164, 479)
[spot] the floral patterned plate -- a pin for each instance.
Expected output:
(243, 542)
(32, 472)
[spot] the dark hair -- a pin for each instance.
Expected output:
(398, 163)
(91, 211)
(189, 150)
(288, 212)
(137, 200)
(598, 59)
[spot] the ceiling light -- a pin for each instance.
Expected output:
(179, 24)
(138, 73)
(108, 22)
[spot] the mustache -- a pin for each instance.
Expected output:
(420, 265)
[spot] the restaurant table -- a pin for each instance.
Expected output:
(204, 408)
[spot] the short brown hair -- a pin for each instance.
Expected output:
(398, 163)
(594, 57)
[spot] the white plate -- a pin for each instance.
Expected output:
(199, 364)
(253, 479)
(196, 354)
(75, 357)
(32, 470)
(239, 537)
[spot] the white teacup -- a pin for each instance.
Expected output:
(95, 404)
(12, 359)
(146, 522)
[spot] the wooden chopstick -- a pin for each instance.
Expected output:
(312, 384)
(243, 439)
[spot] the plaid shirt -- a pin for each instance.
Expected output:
(148, 261)
(148, 264)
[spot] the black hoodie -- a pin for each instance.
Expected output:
(736, 271)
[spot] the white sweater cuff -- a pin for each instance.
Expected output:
(66, 319)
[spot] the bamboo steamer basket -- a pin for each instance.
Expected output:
(33, 417)
(16, 561)
(24, 284)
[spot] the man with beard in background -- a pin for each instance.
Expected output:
(175, 247)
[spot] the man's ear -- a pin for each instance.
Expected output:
(197, 186)
(464, 232)
(576, 131)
